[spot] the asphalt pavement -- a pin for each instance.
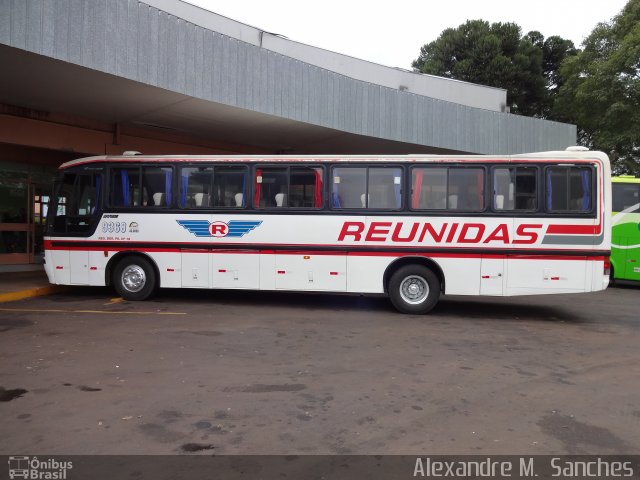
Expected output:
(236, 372)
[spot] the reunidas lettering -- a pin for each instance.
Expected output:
(465, 233)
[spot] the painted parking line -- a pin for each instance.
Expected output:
(31, 292)
(106, 312)
(113, 301)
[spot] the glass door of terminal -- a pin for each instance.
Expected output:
(23, 208)
(39, 207)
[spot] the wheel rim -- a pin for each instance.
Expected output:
(414, 289)
(133, 278)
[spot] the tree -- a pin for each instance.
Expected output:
(601, 90)
(555, 50)
(498, 55)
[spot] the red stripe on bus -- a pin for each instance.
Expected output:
(276, 248)
(477, 255)
(554, 257)
(301, 252)
(574, 229)
(427, 255)
(515, 254)
(244, 252)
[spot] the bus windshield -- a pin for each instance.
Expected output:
(76, 203)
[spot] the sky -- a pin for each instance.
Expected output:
(392, 32)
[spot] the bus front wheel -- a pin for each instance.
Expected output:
(414, 289)
(134, 278)
(612, 278)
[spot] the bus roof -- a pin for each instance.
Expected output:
(137, 158)
(625, 179)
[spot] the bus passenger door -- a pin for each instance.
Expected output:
(492, 275)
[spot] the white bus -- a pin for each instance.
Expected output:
(410, 227)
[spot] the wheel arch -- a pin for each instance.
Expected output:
(113, 261)
(413, 260)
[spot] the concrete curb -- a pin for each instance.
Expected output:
(32, 292)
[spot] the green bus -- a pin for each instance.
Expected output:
(625, 238)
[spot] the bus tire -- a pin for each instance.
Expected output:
(414, 289)
(134, 278)
(612, 278)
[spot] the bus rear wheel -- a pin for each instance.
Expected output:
(414, 289)
(134, 278)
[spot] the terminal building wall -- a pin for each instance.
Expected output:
(133, 40)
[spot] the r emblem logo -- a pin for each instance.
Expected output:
(218, 229)
(231, 229)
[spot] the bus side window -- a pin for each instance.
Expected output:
(515, 188)
(348, 187)
(229, 187)
(125, 187)
(157, 186)
(451, 188)
(504, 188)
(385, 188)
(568, 189)
(271, 188)
(195, 187)
(428, 188)
(305, 187)
(288, 187)
(465, 189)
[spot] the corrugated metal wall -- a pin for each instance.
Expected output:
(133, 40)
